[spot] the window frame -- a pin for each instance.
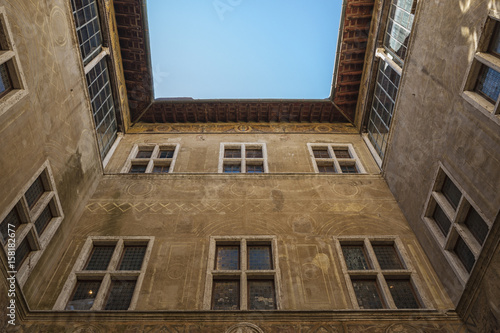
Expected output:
(379, 275)
(333, 160)
(10, 58)
(243, 274)
(243, 161)
(483, 57)
(113, 272)
(457, 217)
(28, 216)
(153, 160)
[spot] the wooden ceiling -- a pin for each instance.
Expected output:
(134, 38)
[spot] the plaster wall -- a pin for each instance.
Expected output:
(51, 122)
(434, 124)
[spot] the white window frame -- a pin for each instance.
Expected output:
(243, 160)
(456, 217)
(379, 275)
(333, 160)
(482, 57)
(27, 230)
(10, 57)
(152, 161)
(243, 274)
(108, 275)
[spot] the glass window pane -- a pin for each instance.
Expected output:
(87, 20)
(144, 154)
(100, 257)
(138, 168)
(83, 295)
(488, 83)
(349, 168)
(367, 294)
(254, 153)
(132, 258)
(161, 169)
(342, 153)
(495, 41)
(43, 220)
(259, 257)
(232, 168)
(403, 294)
(476, 225)
(261, 295)
(464, 254)
(387, 257)
(166, 153)
(14, 220)
(326, 169)
(120, 294)
(442, 220)
(451, 192)
(22, 252)
(232, 153)
(5, 83)
(226, 295)
(35, 192)
(355, 257)
(321, 153)
(255, 168)
(227, 257)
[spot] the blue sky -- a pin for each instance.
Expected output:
(243, 48)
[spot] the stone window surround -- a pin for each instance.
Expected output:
(407, 273)
(242, 272)
(243, 160)
(112, 271)
(28, 217)
(16, 74)
(482, 57)
(331, 146)
(456, 217)
(153, 160)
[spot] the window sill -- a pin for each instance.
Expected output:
(11, 98)
(482, 104)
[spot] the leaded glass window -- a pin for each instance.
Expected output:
(43, 220)
(13, 219)
(476, 225)
(138, 168)
(387, 257)
(342, 153)
(259, 257)
(103, 108)
(348, 168)
(226, 295)
(227, 257)
(464, 254)
(321, 153)
(120, 294)
(442, 221)
(367, 294)
(254, 153)
(382, 109)
(403, 294)
(100, 257)
(22, 252)
(488, 83)
(399, 26)
(5, 81)
(261, 295)
(35, 192)
(87, 28)
(144, 154)
(161, 169)
(232, 153)
(257, 168)
(355, 257)
(451, 192)
(84, 295)
(326, 169)
(166, 153)
(232, 168)
(132, 258)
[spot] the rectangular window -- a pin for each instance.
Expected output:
(482, 83)
(456, 223)
(151, 158)
(386, 285)
(334, 158)
(114, 264)
(38, 211)
(84, 295)
(5, 80)
(87, 28)
(103, 106)
(399, 26)
(243, 158)
(242, 274)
